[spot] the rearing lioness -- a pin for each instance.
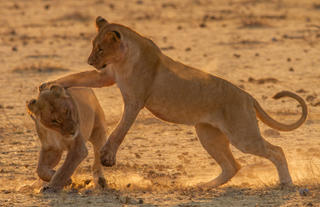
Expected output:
(221, 112)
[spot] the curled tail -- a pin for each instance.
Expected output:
(265, 118)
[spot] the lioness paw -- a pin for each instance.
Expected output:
(108, 159)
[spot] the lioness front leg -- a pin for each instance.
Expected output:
(93, 79)
(48, 159)
(98, 138)
(109, 150)
(76, 154)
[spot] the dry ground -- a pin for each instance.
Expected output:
(263, 46)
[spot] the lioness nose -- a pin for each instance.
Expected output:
(90, 62)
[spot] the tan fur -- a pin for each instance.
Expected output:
(221, 112)
(65, 120)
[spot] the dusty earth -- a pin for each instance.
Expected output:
(263, 46)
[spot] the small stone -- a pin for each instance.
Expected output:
(137, 155)
(13, 32)
(47, 6)
(188, 49)
(291, 69)
(236, 55)
(304, 192)
(301, 91)
(310, 98)
(202, 25)
(16, 6)
(14, 49)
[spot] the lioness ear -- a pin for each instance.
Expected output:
(32, 106)
(114, 35)
(58, 91)
(100, 22)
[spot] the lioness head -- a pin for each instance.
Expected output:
(55, 110)
(108, 46)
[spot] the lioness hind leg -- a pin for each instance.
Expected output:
(98, 138)
(271, 152)
(217, 145)
(249, 140)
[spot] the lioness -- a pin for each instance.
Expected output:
(221, 112)
(64, 120)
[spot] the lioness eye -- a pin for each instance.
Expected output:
(100, 51)
(55, 122)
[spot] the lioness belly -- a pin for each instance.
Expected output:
(179, 106)
(187, 96)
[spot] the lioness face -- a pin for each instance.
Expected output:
(107, 46)
(55, 109)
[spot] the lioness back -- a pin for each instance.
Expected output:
(88, 107)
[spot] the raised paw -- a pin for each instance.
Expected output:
(108, 159)
(108, 155)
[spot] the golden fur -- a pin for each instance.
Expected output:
(220, 112)
(64, 120)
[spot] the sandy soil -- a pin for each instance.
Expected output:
(260, 45)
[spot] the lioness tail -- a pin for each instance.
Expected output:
(265, 118)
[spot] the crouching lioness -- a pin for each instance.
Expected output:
(220, 112)
(64, 120)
